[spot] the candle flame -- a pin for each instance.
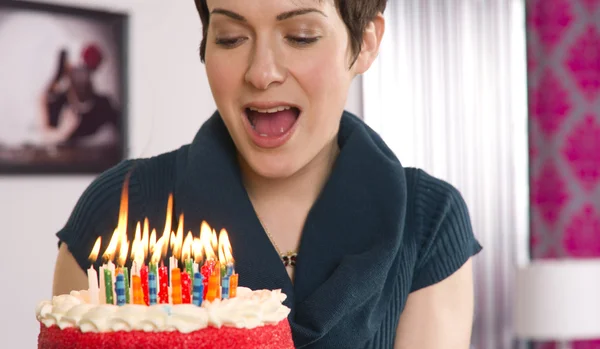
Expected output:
(121, 229)
(152, 241)
(145, 238)
(156, 255)
(205, 239)
(95, 251)
(177, 239)
(186, 251)
(137, 240)
(197, 250)
(109, 253)
(214, 241)
(168, 222)
(225, 247)
(123, 251)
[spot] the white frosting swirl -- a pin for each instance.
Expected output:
(249, 309)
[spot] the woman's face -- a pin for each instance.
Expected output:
(279, 73)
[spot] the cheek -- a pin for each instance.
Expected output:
(223, 76)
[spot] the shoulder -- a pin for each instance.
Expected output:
(441, 225)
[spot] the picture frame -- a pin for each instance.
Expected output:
(63, 95)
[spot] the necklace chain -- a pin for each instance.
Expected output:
(288, 258)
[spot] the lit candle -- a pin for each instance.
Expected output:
(163, 294)
(198, 289)
(152, 287)
(91, 273)
(120, 289)
(225, 287)
(144, 281)
(102, 293)
(136, 284)
(126, 278)
(233, 284)
(185, 288)
(189, 269)
(213, 285)
(172, 265)
(217, 271)
(108, 286)
(207, 271)
(111, 266)
(176, 286)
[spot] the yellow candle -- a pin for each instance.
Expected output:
(233, 283)
(176, 285)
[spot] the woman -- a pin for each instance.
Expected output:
(383, 252)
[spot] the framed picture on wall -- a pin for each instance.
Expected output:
(62, 88)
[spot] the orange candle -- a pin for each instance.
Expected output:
(233, 283)
(138, 294)
(213, 285)
(176, 285)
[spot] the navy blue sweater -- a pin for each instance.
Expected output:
(377, 232)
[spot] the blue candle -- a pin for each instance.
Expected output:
(198, 289)
(230, 270)
(152, 287)
(225, 287)
(120, 290)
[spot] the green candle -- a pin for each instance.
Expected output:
(108, 286)
(126, 275)
(189, 269)
(153, 268)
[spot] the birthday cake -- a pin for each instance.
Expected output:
(193, 301)
(254, 319)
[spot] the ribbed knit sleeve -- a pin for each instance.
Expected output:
(445, 235)
(96, 213)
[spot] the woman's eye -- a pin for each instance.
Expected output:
(302, 40)
(229, 42)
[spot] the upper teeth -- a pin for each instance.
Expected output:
(271, 110)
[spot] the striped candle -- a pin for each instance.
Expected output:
(198, 289)
(152, 287)
(225, 287)
(120, 289)
(108, 286)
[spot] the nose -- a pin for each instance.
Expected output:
(265, 68)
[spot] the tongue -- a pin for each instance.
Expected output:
(273, 124)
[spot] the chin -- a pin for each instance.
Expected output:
(273, 167)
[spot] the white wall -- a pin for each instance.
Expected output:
(170, 98)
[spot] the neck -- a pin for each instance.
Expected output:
(303, 186)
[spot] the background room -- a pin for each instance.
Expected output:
(499, 97)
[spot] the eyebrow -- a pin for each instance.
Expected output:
(281, 17)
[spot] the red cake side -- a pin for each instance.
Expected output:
(265, 337)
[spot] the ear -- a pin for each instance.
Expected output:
(370, 44)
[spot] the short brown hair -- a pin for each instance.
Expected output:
(356, 14)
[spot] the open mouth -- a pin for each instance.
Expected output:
(273, 122)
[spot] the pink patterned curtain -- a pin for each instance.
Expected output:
(564, 94)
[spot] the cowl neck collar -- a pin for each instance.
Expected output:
(348, 255)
